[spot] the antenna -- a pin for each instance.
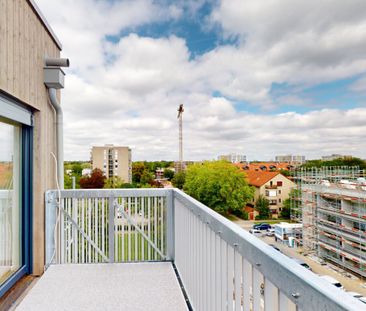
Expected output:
(180, 117)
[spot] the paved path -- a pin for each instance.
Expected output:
(126, 286)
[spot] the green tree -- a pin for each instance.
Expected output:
(146, 177)
(113, 182)
(179, 179)
(336, 162)
(286, 209)
(77, 169)
(138, 169)
(219, 185)
(262, 207)
(168, 173)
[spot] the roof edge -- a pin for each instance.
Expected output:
(42, 18)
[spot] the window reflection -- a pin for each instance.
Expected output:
(10, 203)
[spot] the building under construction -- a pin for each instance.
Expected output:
(331, 204)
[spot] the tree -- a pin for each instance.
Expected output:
(168, 173)
(179, 180)
(113, 182)
(351, 161)
(95, 181)
(292, 205)
(262, 207)
(146, 177)
(286, 209)
(138, 169)
(219, 185)
(77, 169)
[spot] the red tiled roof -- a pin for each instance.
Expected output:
(257, 166)
(259, 178)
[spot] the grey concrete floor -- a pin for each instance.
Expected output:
(125, 286)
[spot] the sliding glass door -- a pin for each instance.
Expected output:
(16, 132)
(10, 200)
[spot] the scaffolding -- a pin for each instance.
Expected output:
(331, 204)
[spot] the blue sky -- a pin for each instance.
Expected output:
(258, 78)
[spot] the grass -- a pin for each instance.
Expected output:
(232, 217)
(134, 247)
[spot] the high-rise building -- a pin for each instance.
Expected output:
(233, 158)
(292, 159)
(113, 161)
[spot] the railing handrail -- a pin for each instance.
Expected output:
(288, 276)
(99, 193)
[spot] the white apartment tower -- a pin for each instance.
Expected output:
(113, 161)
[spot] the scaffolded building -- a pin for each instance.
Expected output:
(331, 204)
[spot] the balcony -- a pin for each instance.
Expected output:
(270, 186)
(160, 249)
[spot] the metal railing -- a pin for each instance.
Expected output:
(221, 266)
(107, 226)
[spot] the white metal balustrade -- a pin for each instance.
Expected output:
(221, 266)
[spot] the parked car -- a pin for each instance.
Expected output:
(262, 226)
(301, 263)
(332, 281)
(325, 182)
(270, 232)
(255, 231)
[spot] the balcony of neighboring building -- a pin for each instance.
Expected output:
(159, 249)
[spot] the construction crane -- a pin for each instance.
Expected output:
(180, 117)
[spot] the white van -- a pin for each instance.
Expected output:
(332, 281)
(325, 183)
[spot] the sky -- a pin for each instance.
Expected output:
(260, 78)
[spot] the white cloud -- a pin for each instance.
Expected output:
(127, 91)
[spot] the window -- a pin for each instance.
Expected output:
(10, 205)
(15, 192)
(279, 191)
(279, 184)
(279, 200)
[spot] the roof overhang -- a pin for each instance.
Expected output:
(45, 23)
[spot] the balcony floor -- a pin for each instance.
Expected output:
(124, 286)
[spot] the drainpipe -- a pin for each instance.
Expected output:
(54, 80)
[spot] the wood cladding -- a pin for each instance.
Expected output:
(24, 43)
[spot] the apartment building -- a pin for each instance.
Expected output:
(233, 158)
(273, 186)
(113, 161)
(292, 159)
(28, 137)
(334, 219)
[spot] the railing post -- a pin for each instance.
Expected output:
(111, 227)
(170, 226)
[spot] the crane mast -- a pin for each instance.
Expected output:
(180, 118)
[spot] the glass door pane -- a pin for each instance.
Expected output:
(10, 200)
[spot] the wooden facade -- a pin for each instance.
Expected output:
(25, 40)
